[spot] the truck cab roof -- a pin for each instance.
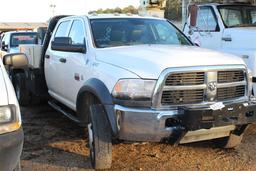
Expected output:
(108, 16)
(225, 4)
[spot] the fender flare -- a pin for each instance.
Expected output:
(99, 89)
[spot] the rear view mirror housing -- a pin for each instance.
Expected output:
(4, 46)
(193, 9)
(15, 60)
(65, 44)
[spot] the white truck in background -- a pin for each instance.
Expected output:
(12, 39)
(229, 28)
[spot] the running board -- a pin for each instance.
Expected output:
(59, 109)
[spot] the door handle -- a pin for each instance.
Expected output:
(227, 39)
(47, 56)
(245, 56)
(63, 60)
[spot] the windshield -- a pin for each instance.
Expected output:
(238, 15)
(130, 31)
(23, 38)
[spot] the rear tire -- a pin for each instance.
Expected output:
(21, 90)
(100, 138)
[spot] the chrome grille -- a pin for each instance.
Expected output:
(230, 76)
(182, 97)
(208, 85)
(193, 78)
(229, 93)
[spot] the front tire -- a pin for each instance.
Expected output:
(21, 90)
(100, 138)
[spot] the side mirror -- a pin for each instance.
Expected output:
(193, 9)
(4, 46)
(15, 60)
(65, 44)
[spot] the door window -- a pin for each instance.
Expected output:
(62, 30)
(253, 16)
(77, 33)
(206, 20)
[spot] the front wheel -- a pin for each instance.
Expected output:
(100, 138)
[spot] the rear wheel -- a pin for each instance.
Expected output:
(100, 138)
(21, 90)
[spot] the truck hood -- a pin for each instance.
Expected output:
(3, 89)
(242, 37)
(148, 61)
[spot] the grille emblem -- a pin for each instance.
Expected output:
(212, 86)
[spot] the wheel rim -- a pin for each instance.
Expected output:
(91, 141)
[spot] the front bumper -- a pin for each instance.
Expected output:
(10, 149)
(161, 125)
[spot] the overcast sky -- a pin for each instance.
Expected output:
(40, 11)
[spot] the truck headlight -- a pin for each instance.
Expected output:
(9, 120)
(5, 114)
(134, 89)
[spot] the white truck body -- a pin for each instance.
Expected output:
(11, 132)
(7, 92)
(138, 79)
(212, 32)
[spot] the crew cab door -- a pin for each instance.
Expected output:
(54, 73)
(207, 32)
(76, 67)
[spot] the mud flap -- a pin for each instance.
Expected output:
(177, 136)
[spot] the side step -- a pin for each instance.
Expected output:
(57, 107)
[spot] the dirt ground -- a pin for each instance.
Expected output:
(54, 143)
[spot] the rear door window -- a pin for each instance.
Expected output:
(232, 17)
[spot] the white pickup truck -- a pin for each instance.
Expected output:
(11, 132)
(136, 79)
(229, 28)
